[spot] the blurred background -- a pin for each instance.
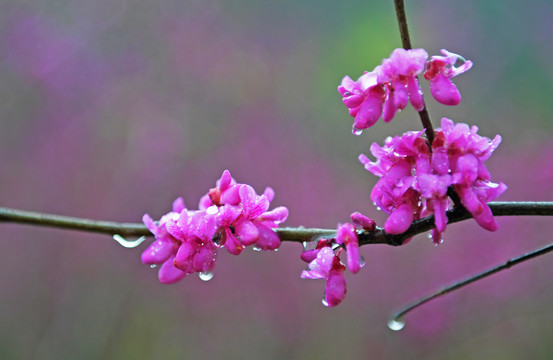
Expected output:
(111, 109)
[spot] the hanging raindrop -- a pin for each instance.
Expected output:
(396, 324)
(153, 266)
(355, 131)
(129, 244)
(206, 275)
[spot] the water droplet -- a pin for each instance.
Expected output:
(255, 248)
(362, 261)
(378, 208)
(325, 303)
(355, 131)
(396, 324)
(206, 275)
(336, 246)
(129, 244)
(212, 210)
(429, 236)
(218, 238)
(153, 266)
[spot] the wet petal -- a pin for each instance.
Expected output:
(278, 215)
(178, 205)
(157, 252)
(268, 239)
(168, 273)
(336, 288)
(444, 90)
(400, 220)
(247, 232)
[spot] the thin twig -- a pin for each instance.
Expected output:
(406, 42)
(398, 315)
(300, 234)
(402, 22)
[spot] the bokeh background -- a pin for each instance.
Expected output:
(110, 109)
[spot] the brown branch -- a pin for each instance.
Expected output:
(300, 234)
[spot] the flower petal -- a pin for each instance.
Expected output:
(169, 274)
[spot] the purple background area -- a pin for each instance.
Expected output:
(114, 108)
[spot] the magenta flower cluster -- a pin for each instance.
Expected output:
(231, 215)
(414, 181)
(390, 86)
(324, 259)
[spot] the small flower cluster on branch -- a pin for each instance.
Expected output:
(414, 181)
(324, 259)
(390, 86)
(231, 215)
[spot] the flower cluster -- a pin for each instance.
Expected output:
(390, 86)
(324, 259)
(414, 180)
(231, 215)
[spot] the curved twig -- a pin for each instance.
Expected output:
(397, 317)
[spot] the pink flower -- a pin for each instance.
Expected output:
(231, 215)
(347, 236)
(385, 90)
(414, 182)
(195, 230)
(439, 71)
(328, 266)
(162, 251)
(400, 72)
(363, 98)
(360, 221)
(225, 192)
(325, 264)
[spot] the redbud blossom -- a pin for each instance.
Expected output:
(385, 90)
(439, 71)
(328, 266)
(231, 215)
(414, 182)
(324, 263)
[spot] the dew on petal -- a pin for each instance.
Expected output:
(256, 248)
(396, 324)
(129, 244)
(212, 210)
(206, 275)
